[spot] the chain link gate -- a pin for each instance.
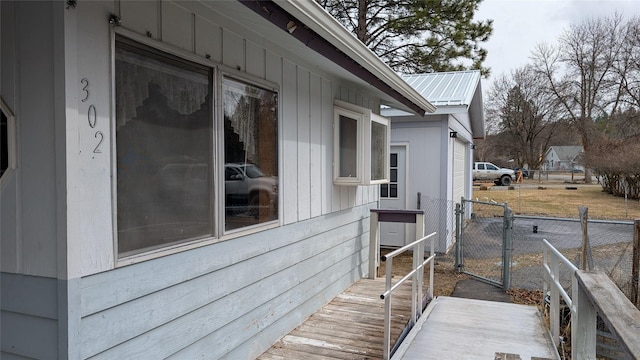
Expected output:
(484, 238)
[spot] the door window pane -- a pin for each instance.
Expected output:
(391, 190)
(164, 143)
(250, 154)
(384, 190)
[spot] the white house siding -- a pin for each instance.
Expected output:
(29, 195)
(30, 224)
(233, 297)
(424, 163)
(438, 168)
(459, 169)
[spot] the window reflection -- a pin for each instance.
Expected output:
(251, 153)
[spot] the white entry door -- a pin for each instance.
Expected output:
(394, 196)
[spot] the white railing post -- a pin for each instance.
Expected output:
(387, 311)
(583, 324)
(374, 256)
(416, 303)
(554, 302)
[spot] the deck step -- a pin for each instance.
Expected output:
(505, 356)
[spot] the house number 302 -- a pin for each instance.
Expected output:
(92, 116)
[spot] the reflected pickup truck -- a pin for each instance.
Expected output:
(488, 171)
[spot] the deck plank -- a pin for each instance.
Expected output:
(351, 326)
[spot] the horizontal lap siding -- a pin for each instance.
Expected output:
(240, 305)
(29, 324)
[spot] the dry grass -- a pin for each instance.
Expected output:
(557, 201)
(445, 276)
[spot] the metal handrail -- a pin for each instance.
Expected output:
(552, 258)
(557, 255)
(416, 286)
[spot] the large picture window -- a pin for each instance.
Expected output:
(164, 145)
(169, 155)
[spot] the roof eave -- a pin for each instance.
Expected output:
(374, 70)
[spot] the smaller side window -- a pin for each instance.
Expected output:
(480, 166)
(361, 146)
(7, 141)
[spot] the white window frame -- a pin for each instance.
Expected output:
(219, 234)
(11, 142)
(364, 118)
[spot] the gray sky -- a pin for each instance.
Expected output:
(518, 25)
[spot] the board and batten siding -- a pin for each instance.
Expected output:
(427, 162)
(29, 224)
(229, 299)
(306, 111)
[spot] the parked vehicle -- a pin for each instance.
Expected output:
(248, 188)
(489, 171)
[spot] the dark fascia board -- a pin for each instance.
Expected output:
(280, 18)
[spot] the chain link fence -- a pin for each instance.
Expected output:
(609, 248)
(439, 216)
(483, 235)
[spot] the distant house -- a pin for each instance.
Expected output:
(435, 153)
(564, 158)
(182, 179)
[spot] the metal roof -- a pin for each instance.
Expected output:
(455, 92)
(446, 88)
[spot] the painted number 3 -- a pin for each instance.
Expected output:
(92, 116)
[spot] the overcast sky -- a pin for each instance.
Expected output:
(518, 25)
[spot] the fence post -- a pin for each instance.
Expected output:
(506, 250)
(374, 255)
(635, 263)
(459, 212)
(587, 260)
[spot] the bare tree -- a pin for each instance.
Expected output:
(580, 73)
(519, 107)
(628, 67)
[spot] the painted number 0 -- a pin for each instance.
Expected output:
(92, 116)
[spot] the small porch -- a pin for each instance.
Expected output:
(352, 327)
(386, 317)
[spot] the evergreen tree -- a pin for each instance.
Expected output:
(417, 36)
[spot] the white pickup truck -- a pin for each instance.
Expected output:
(488, 171)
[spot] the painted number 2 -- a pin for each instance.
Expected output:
(92, 116)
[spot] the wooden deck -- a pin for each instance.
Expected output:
(350, 327)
